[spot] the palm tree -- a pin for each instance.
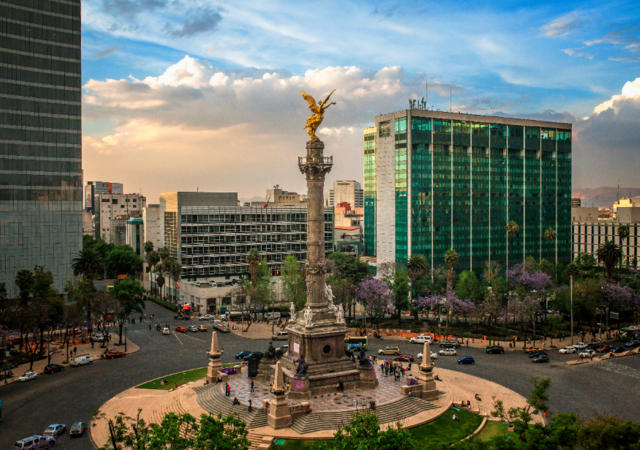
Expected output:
(450, 259)
(176, 271)
(25, 281)
(573, 270)
(148, 248)
(623, 233)
(512, 229)
(253, 259)
(88, 263)
(418, 267)
(609, 254)
(550, 235)
(159, 279)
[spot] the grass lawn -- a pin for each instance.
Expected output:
(491, 429)
(296, 444)
(179, 378)
(444, 429)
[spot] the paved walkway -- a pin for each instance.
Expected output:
(61, 355)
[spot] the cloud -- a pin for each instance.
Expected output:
(132, 7)
(197, 22)
(105, 52)
(628, 36)
(577, 52)
(628, 59)
(562, 26)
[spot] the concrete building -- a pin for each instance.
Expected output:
(589, 231)
(576, 202)
(349, 191)
(278, 197)
(152, 226)
(135, 235)
(115, 210)
(438, 180)
(93, 188)
(40, 138)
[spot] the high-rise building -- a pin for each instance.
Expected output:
(93, 188)
(576, 202)
(349, 191)
(152, 226)
(112, 213)
(40, 138)
(437, 180)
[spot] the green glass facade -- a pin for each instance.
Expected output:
(369, 138)
(466, 177)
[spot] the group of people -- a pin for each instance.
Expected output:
(397, 370)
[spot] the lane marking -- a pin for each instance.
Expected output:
(176, 336)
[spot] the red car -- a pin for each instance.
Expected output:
(181, 329)
(604, 348)
(405, 358)
(115, 354)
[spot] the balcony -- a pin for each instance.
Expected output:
(327, 161)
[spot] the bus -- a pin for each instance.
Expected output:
(357, 342)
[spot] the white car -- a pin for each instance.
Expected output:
(165, 330)
(434, 355)
(28, 375)
(580, 345)
(567, 349)
(420, 339)
(81, 360)
(587, 353)
(448, 352)
(206, 317)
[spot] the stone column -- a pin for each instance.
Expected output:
(215, 365)
(278, 413)
(425, 375)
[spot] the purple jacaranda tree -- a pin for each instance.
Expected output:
(525, 309)
(617, 296)
(450, 302)
(526, 277)
(376, 297)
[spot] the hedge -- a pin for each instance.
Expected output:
(161, 302)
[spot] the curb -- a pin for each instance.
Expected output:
(478, 430)
(164, 376)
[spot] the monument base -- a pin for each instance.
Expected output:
(214, 371)
(278, 414)
(368, 378)
(428, 389)
(265, 370)
(299, 387)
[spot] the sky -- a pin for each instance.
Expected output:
(180, 95)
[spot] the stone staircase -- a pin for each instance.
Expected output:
(211, 399)
(258, 441)
(392, 412)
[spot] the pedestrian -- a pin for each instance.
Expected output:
(175, 387)
(250, 406)
(75, 350)
(251, 385)
(92, 343)
(228, 390)
(149, 327)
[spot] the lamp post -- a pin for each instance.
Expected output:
(571, 283)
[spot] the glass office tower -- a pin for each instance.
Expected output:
(40, 137)
(444, 180)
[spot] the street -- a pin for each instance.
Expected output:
(608, 387)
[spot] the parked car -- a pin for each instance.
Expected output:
(467, 360)
(181, 329)
(588, 353)
(633, 343)
(206, 317)
(193, 328)
(81, 360)
(605, 348)
(448, 352)
(165, 330)
(542, 358)
(566, 350)
(593, 346)
(580, 345)
(389, 351)
(55, 429)
(453, 342)
(78, 429)
(536, 354)
(182, 317)
(98, 337)
(242, 354)
(433, 355)
(111, 354)
(202, 328)
(405, 358)
(533, 350)
(280, 335)
(53, 368)
(258, 355)
(35, 441)
(272, 315)
(28, 376)
(495, 349)
(618, 349)
(421, 339)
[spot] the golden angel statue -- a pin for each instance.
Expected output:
(315, 120)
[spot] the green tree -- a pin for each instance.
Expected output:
(572, 270)
(521, 417)
(253, 259)
(159, 278)
(293, 283)
(128, 293)
(609, 254)
(25, 281)
(350, 267)
(512, 229)
(123, 260)
(623, 234)
(363, 433)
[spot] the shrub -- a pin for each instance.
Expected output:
(161, 302)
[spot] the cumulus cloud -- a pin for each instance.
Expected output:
(577, 52)
(562, 26)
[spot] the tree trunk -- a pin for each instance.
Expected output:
(120, 326)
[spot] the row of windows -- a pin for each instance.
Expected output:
(40, 180)
(48, 136)
(14, 44)
(33, 105)
(47, 93)
(35, 15)
(49, 34)
(32, 149)
(34, 165)
(54, 7)
(236, 218)
(39, 62)
(8, 195)
(24, 121)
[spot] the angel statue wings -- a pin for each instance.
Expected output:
(315, 120)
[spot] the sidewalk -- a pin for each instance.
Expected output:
(61, 355)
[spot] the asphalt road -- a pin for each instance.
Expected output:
(73, 395)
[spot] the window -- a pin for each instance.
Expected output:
(421, 124)
(401, 125)
(105, 200)
(385, 129)
(114, 201)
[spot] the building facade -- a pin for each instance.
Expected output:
(152, 226)
(278, 197)
(115, 210)
(93, 188)
(40, 138)
(589, 232)
(437, 180)
(349, 191)
(135, 236)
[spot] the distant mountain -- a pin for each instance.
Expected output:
(252, 199)
(603, 196)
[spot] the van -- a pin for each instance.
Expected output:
(281, 335)
(36, 441)
(81, 360)
(272, 315)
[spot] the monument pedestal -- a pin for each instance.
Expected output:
(214, 371)
(265, 370)
(298, 386)
(428, 390)
(368, 378)
(278, 415)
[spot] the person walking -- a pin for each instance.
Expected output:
(252, 386)
(149, 327)
(227, 390)
(250, 406)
